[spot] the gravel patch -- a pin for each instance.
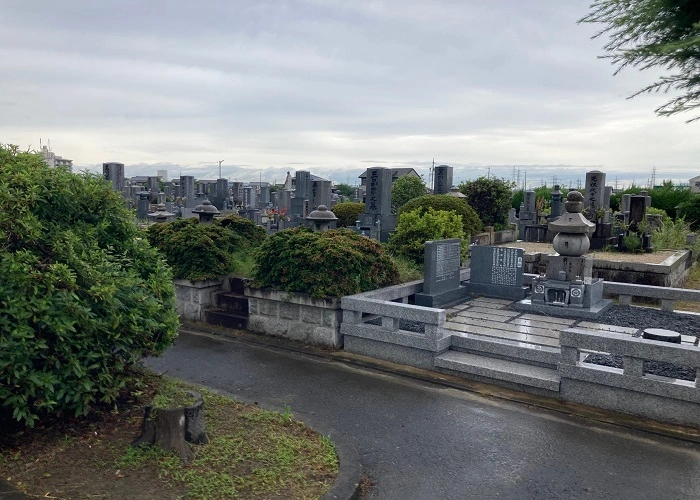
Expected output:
(650, 367)
(647, 317)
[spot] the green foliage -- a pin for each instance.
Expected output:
(416, 227)
(196, 251)
(83, 297)
(667, 198)
(345, 189)
(655, 34)
(252, 234)
(671, 234)
(471, 224)
(348, 212)
(199, 252)
(408, 270)
(322, 264)
(658, 211)
(490, 197)
(690, 211)
(404, 189)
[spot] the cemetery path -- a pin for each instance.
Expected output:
(419, 440)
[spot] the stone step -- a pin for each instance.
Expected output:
(510, 350)
(230, 301)
(500, 370)
(227, 319)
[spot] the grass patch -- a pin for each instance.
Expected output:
(252, 453)
(408, 270)
(693, 283)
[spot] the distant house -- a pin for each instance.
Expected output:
(695, 184)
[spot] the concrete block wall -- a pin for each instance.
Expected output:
(294, 316)
(192, 297)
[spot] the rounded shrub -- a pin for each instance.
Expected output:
(348, 212)
(491, 198)
(323, 264)
(416, 227)
(252, 234)
(471, 223)
(196, 251)
(82, 297)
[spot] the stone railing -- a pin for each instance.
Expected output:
(382, 324)
(667, 296)
(629, 389)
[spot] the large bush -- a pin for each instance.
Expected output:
(196, 251)
(322, 264)
(405, 189)
(252, 234)
(348, 212)
(415, 228)
(82, 296)
(490, 197)
(471, 223)
(690, 211)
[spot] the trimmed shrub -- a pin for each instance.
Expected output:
(82, 297)
(348, 212)
(322, 264)
(471, 223)
(195, 251)
(415, 228)
(252, 234)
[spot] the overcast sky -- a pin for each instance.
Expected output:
(331, 87)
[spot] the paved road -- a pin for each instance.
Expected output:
(422, 441)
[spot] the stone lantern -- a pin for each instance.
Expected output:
(161, 214)
(321, 218)
(206, 212)
(568, 288)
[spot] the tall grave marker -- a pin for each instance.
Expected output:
(442, 283)
(497, 272)
(442, 182)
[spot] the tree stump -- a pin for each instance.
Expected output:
(172, 429)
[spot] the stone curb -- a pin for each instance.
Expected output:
(486, 390)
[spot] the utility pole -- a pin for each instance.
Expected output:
(220, 162)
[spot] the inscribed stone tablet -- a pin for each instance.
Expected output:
(442, 263)
(497, 266)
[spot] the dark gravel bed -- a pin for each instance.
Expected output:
(646, 317)
(650, 367)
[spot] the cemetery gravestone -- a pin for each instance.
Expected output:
(443, 179)
(497, 272)
(441, 286)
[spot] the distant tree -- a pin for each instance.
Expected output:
(348, 213)
(690, 211)
(655, 34)
(471, 224)
(405, 189)
(490, 197)
(345, 189)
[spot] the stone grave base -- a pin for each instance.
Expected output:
(442, 299)
(498, 291)
(592, 312)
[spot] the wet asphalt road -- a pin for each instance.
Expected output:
(417, 440)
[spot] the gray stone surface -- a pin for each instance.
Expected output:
(378, 194)
(547, 356)
(390, 352)
(441, 265)
(595, 189)
(596, 310)
(497, 266)
(508, 292)
(442, 182)
(662, 335)
(499, 369)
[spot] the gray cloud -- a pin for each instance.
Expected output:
(324, 85)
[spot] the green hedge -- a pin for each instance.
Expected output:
(471, 223)
(322, 264)
(348, 212)
(82, 297)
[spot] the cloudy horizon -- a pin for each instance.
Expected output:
(332, 87)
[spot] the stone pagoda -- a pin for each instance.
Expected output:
(568, 288)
